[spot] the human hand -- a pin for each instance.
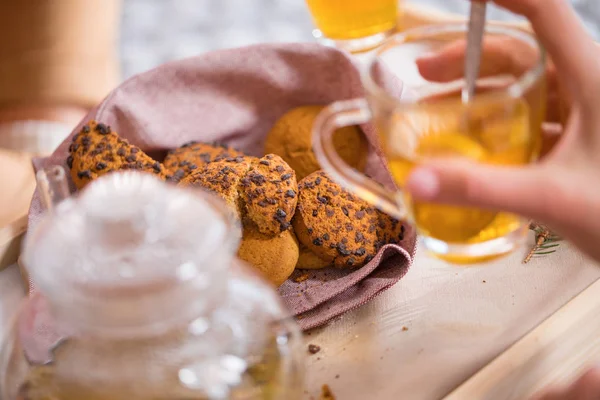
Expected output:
(563, 189)
(586, 387)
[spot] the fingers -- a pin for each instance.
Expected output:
(522, 190)
(562, 33)
(551, 134)
(501, 55)
(587, 387)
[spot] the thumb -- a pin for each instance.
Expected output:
(520, 190)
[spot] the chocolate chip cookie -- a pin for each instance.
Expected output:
(291, 138)
(274, 256)
(262, 191)
(270, 194)
(97, 150)
(309, 260)
(339, 227)
(186, 159)
(223, 178)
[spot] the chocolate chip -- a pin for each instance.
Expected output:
(100, 166)
(192, 167)
(350, 262)
(318, 242)
(70, 162)
(344, 240)
(257, 178)
(285, 177)
(323, 199)
(290, 193)
(269, 156)
(84, 174)
(368, 259)
(359, 214)
(309, 230)
(318, 180)
(349, 228)
(284, 226)
(329, 212)
(309, 185)
(131, 158)
(134, 150)
(85, 129)
(156, 167)
(315, 213)
(313, 349)
(179, 174)
(280, 213)
(342, 250)
(271, 201)
(279, 169)
(326, 236)
(263, 203)
(345, 211)
(359, 237)
(361, 251)
(103, 129)
(264, 162)
(188, 144)
(121, 152)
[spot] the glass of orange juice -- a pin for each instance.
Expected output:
(353, 25)
(427, 120)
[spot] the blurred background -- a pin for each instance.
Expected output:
(156, 31)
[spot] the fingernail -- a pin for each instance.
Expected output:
(428, 56)
(423, 183)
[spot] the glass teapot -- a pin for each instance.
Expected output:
(138, 296)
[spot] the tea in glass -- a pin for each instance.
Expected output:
(427, 121)
(496, 131)
(355, 25)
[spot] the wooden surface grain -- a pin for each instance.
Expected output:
(441, 324)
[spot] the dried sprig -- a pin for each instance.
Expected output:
(546, 242)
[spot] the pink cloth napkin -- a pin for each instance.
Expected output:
(235, 96)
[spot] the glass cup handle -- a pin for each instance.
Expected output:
(338, 115)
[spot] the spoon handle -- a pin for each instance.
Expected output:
(474, 42)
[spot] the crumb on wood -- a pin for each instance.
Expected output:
(337, 376)
(404, 328)
(326, 393)
(301, 278)
(484, 281)
(313, 348)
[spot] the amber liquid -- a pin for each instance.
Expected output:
(267, 378)
(499, 132)
(352, 19)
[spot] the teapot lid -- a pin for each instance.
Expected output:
(129, 240)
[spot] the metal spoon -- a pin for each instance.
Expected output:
(474, 43)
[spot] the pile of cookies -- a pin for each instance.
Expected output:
(292, 214)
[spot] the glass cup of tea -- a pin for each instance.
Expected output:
(427, 120)
(353, 25)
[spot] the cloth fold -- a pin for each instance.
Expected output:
(235, 96)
